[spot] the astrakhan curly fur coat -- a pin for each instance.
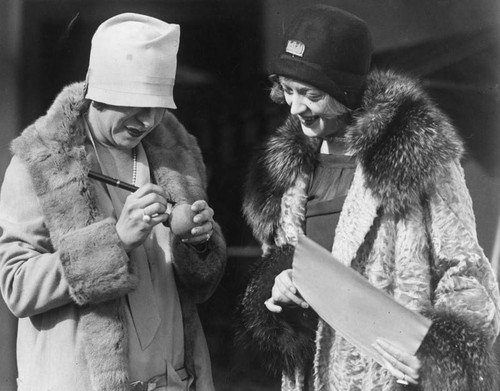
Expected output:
(407, 225)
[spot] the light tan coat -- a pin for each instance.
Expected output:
(63, 270)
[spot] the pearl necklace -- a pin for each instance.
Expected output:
(134, 151)
(134, 166)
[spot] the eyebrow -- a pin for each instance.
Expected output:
(301, 90)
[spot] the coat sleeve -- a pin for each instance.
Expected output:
(284, 341)
(457, 352)
(34, 277)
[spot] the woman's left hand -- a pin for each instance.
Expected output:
(405, 367)
(204, 221)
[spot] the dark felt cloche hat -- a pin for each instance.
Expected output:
(328, 48)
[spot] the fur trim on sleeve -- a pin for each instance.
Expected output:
(456, 357)
(284, 341)
(200, 272)
(401, 139)
(286, 155)
(90, 279)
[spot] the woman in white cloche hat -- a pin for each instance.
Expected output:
(104, 287)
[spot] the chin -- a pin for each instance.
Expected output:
(126, 145)
(127, 141)
(310, 132)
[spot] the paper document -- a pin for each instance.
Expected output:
(357, 310)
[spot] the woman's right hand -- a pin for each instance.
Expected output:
(143, 209)
(284, 293)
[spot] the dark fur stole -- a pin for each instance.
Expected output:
(286, 154)
(401, 139)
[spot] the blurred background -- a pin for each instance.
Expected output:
(453, 46)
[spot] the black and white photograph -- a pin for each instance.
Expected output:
(249, 195)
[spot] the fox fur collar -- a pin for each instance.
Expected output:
(400, 139)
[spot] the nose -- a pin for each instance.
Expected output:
(146, 116)
(297, 105)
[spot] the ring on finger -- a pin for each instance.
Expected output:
(402, 381)
(145, 217)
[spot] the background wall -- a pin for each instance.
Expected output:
(221, 92)
(10, 32)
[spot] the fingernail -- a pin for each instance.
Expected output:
(293, 290)
(305, 305)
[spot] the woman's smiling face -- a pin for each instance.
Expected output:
(123, 127)
(320, 115)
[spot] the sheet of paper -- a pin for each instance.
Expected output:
(352, 306)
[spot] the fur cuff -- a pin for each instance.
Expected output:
(285, 341)
(456, 357)
(95, 263)
(200, 272)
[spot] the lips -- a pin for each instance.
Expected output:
(308, 121)
(135, 132)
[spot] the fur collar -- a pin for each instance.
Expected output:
(54, 151)
(286, 155)
(400, 138)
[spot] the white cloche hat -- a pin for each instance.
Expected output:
(133, 60)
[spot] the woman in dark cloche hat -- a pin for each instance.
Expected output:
(368, 167)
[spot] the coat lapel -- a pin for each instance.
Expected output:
(358, 213)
